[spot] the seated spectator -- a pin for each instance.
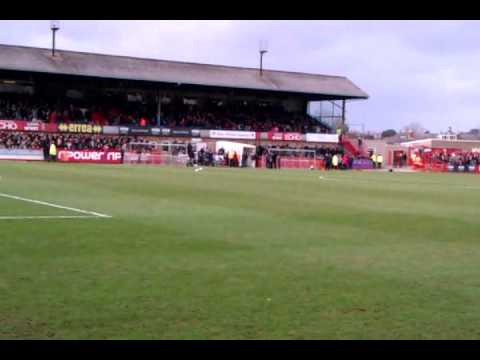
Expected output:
(260, 119)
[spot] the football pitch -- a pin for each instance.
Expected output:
(139, 252)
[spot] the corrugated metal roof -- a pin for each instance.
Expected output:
(31, 59)
(439, 143)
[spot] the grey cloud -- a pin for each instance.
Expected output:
(423, 71)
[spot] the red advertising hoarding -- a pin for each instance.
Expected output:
(40, 127)
(90, 156)
(11, 125)
(20, 125)
(288, 136)
(294, 163)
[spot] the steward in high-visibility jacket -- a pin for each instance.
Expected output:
(340, 134)
(379, 161)
(335, 161)
(53, 152)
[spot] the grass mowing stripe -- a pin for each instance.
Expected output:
(241, 254)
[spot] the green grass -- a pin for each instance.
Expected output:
(239, 254)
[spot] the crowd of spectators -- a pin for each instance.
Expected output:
(456, 159)
(42, 111)
(13, 140)
(334, 157)
(179, 116)
(18, 140)
(257, 121)
(318, 151)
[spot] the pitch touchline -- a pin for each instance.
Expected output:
(54, 205)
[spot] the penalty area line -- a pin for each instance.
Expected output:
(41, 217)
(38, 202)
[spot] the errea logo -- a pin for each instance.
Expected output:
(80, 128)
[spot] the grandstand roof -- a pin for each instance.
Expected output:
(21, 58)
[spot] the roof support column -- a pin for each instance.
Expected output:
(159, 108)
(343, 112)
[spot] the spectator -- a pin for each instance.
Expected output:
(45, 147)
(379, 161)
(267, 119)
(53, 151)
(335, 161)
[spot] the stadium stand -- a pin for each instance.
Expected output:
(94, 102)
(32, 109)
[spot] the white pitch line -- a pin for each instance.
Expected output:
(329, 179)
(48, 217)
(54, 205)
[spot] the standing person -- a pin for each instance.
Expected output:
(244, 158)
(46, 148)
(123, 151)
(379, 161)
(235, 159)
(269, 160)
(328, 161)
(53, 151)
(345, 161)
(253, 160)
(340, 135)
(201, 157)
(230, 158)
(350, 162)
(191, 154)
(335, 161)
(190, 150)
(374, 160)
(225, 159)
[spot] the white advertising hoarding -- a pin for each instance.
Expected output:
(21, 154)
(322, 138)
(229, 134)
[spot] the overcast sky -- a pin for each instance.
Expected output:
(414, 71)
